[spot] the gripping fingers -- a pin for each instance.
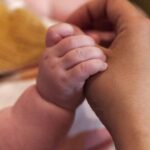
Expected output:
(73, 42)
(86, 69)
(80, 55)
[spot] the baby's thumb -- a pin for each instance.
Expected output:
(57, 32)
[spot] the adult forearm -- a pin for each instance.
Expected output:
(127, 120)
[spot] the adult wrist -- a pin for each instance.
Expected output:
(126, 117)
(130, 132)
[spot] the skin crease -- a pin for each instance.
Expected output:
(22, 128)
(56, 10)
(121, 95)
(115, 107)
(67, 64)
(37, 121)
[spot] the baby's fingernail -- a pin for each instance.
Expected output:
(67, 28)
(105, 65)
(104, 58)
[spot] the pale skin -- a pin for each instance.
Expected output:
(55, 9)
(128, 72)
(121, 95)
(67, 63)
(44, 113)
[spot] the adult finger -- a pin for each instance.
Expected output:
(101, 37)
(118, 12)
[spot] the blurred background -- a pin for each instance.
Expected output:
(23, 25)
(23, 28)
(22, 42)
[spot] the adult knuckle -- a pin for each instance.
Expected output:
(139, 26)
(147, 23)
(142, 23)
(144, 26)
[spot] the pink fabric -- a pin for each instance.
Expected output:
(62, 10)
(58, 9)
(41, 7)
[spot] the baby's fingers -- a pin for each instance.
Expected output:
(73, 42)
(86, 69)
(80, 55)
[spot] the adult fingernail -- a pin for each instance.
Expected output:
(67, 29)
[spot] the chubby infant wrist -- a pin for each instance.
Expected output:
(64, 102)
(32, 104)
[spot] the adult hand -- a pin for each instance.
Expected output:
(121, 95)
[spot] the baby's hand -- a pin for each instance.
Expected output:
(70, 59)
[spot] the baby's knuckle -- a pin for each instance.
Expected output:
(51, 32)
(52, 63)
(82, 68)
(71, 41)
(88, 38)
(97, 51)
(46, 55)
(63, 78)
(79, 53)
(144, 27)
(70, 58)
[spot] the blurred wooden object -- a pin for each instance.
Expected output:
(22, 39)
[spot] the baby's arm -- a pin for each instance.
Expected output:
(44, 113)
